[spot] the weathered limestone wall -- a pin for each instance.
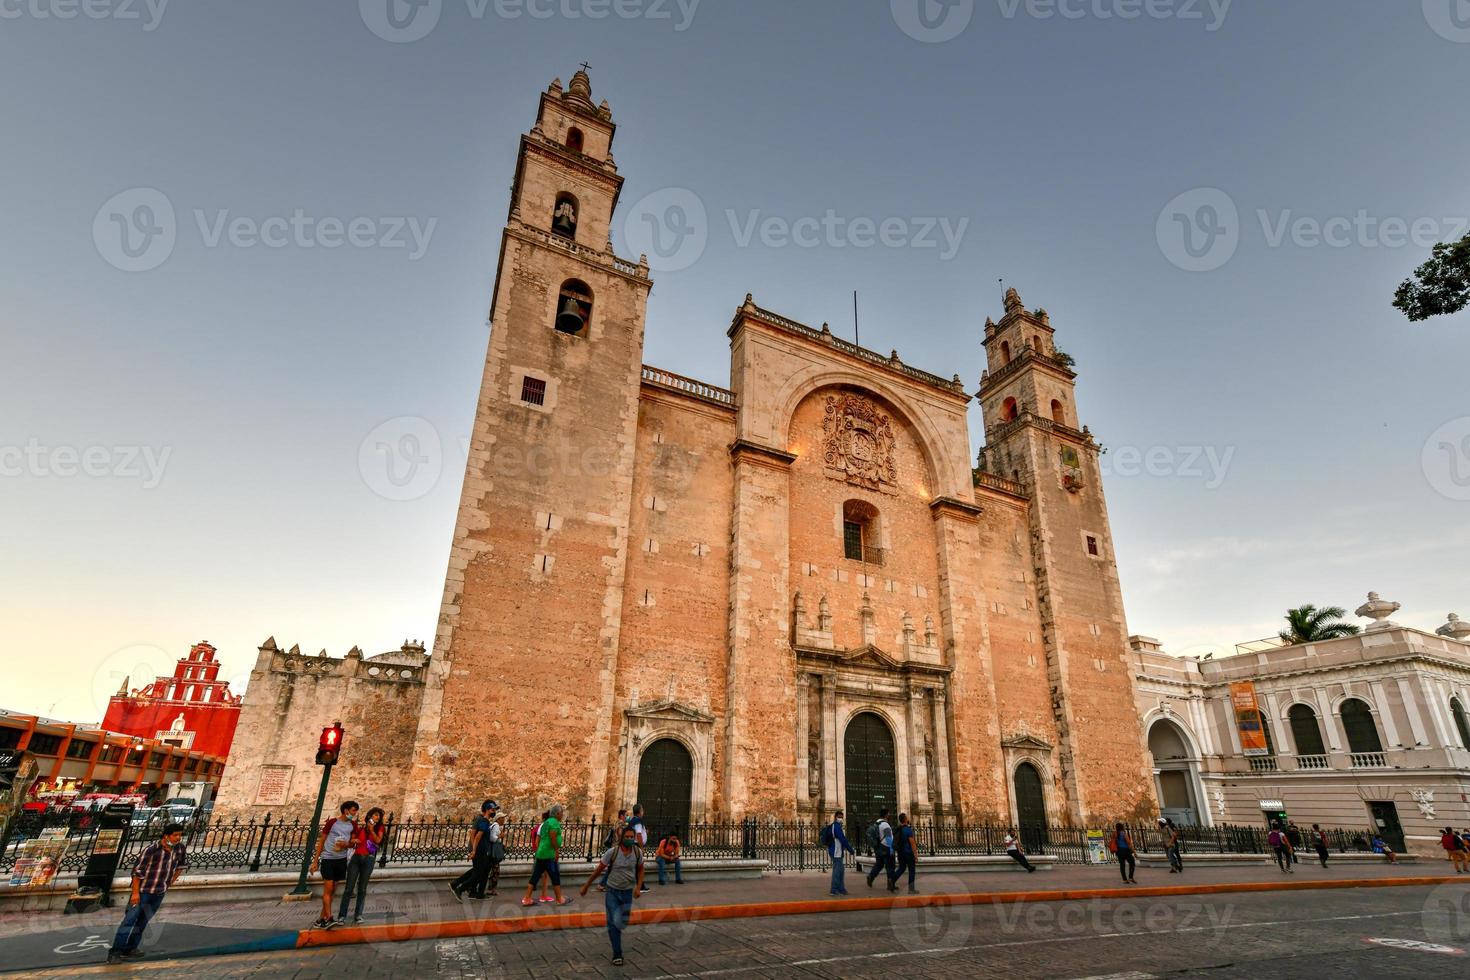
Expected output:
(291, 698)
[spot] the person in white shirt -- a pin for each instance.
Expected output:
(1013, 848)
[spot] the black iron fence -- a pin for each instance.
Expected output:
(232, 846)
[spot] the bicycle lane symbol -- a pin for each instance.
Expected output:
(85, 946)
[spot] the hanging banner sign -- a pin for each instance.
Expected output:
(1248, 718)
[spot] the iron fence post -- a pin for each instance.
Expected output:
(388, 836)
(591, 838)
(260, 843)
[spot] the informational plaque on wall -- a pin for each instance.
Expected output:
(275, 785)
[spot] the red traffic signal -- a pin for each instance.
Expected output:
(330, 745)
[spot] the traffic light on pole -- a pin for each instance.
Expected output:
(330, 745)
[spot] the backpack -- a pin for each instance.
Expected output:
(826, 837)
(874, 838)
(1113, 842)
(1275, 838)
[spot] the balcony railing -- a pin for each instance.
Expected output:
(689, 386)
(1263, 763)
(1368, 760)
(1312, 762)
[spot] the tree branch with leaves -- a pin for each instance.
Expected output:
(1439, 286)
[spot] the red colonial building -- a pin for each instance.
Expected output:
(193, 709)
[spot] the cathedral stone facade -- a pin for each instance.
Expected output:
(769, 599)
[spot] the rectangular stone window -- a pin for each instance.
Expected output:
(533, 391)
(1092, 545)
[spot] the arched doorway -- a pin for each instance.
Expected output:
(868, 763)
(1030, 808)
(1176, 772)
(665, 779)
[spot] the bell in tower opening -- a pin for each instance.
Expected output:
(564, 218)
(575, 306)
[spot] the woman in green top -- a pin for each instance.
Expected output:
(548, 853)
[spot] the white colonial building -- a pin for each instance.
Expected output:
(1363, 732)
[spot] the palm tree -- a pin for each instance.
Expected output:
(1310, 624)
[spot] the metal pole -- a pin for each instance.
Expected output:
(302, 887)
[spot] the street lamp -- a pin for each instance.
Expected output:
(329, 747)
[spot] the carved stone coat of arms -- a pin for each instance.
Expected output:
(858, 444)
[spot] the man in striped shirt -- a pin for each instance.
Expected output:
(157, 870)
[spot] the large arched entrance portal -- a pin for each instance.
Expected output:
(868, 763)
(1176, 772)
(665, 780)
(1030, 808)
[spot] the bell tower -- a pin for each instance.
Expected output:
(520, 687)
(1033, 436)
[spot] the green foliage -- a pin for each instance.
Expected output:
(1308, 624)
(1441, 285)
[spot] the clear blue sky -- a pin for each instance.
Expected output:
(253, 374)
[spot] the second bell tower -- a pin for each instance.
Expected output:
(525, 655)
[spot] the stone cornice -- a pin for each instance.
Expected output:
(572, 161)
(963, 510)
(754, 452)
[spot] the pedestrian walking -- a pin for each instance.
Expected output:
(1319, 841)
(1173, 847)
(536, 846)
(1280, 846)
(1454, 846)
(880, 840)
(1294, 838)
(366, 844)
(1120, 842)
(610, 840)
(334, 846)
(623, 867)
(1013, 850)
(486, 853)
(835, 841)
(640, 828)
(548, 858)
(158, 867)
(904, 840)
(667, 856)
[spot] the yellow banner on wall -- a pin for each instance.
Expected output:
(1248, 718)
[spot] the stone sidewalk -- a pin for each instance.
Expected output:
(34, 940)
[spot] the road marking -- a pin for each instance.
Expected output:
(946, 950)
(1416, 945)
(1122, 976)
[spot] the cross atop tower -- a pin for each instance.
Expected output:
(586, 67)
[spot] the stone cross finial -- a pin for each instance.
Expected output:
(1377, 610)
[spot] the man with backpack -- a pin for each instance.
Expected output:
(1280, 846)
(622, 866)
(486, 853)
(1454, 846)
(835, 841)
(1319, 841)
(880, 839)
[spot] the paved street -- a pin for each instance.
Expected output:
(1334, 933)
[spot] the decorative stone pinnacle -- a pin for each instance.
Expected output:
(1377, 610)
(1455, 628)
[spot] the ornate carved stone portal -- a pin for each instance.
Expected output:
(858, 444)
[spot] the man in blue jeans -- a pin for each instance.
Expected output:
(838, 849)
(156, 871)
(623, 866)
